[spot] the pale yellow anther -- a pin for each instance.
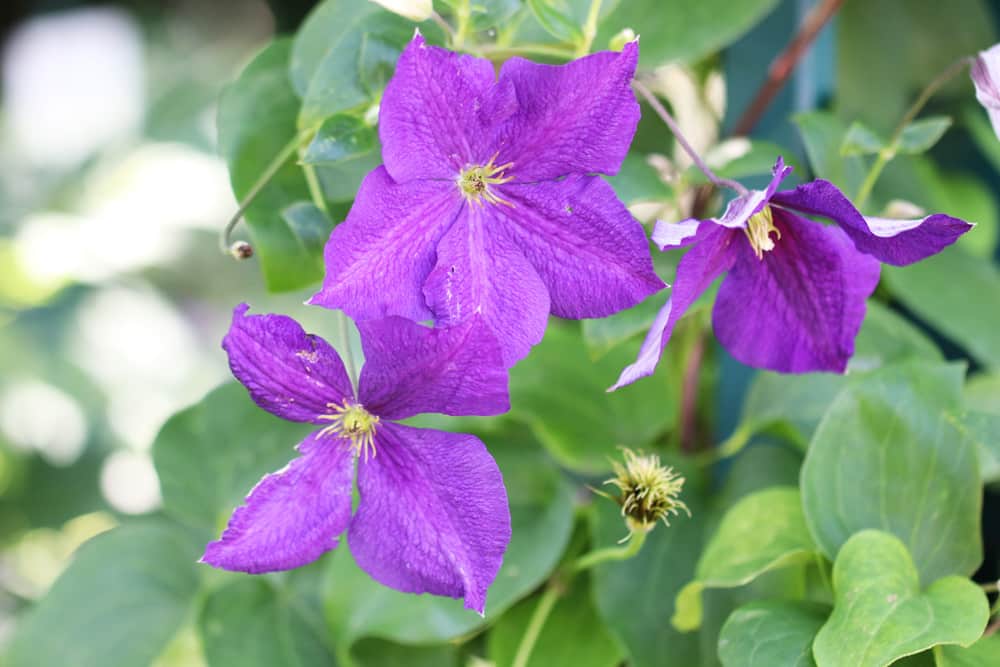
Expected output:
(475, 182)
(758, 230)
(350, 421)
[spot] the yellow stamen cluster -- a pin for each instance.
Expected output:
(350, 421)
(648, 491)
(758, 230)
(475, 182)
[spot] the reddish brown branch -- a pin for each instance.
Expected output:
(783, 66)
(689, 396)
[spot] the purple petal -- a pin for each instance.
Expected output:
(410, 369)
(574, 118)
(433, 514)
(293, 516)
(667, 235)
(436, 112)
(898, 242)
(480, 271)
(986, 77)
(742, 208)
(800, 307)
(710, 256)
(590, 252)
(288, 372)
(378, 259)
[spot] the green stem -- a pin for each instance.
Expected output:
(607, 554)
(315, 189)
(889, 151)
(535, 625)
(991, 587)
(589, 29)
(463, 13)
(269, 172)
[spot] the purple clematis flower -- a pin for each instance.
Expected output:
(433, 513)
(794, 297)
(487, 202)
(986, 77)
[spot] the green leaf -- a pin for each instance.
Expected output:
(309, 223)
(582, 426)
(984, 653)
(880, 89)
(252, 624)
(684, 30)
(823, 134)
(981, 130)
(554, 17)
(343, 55)
(637, 181)
(123, 597)
(861, 140)
(603, 335)
(541, 520)
(763, 531)
(921, 135)
(957, 294)
(572, 616)
(887, 455)
(885, 338)
(636, 597)
(485, 14)
(341, 137)
(256, 123)
(210, 455)
(380, 653)
(882, 614)
(771, 633)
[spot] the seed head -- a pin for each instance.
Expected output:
(648, 491)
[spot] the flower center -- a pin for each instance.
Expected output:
(350, 421)
(648, 491)
(475, 181)
(758, 230)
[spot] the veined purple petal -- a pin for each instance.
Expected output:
(378, 259)
(899, 242)
(433, 514)
(480, 271)
(742, 208)
(293, 516)
(437, 112)
(410, 369)
(288, 372)
(590, 252)
(710, 256)
(799, 308)
(574, 118)
(986, 77)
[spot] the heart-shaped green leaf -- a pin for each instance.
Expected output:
(771, 633)
(763, 531)
(984, 653)
(888, 455)
(881, 613)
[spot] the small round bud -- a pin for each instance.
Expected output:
(648, 491)
(241, 250)
(618, 42)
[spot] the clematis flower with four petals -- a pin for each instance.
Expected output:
(488, 202)
(433, 514)
(794, 295)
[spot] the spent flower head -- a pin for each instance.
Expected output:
(648, 491)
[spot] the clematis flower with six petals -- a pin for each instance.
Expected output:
(794, 295)
(488, 202)
(433, 514)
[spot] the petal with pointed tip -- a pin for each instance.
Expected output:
(433, 514)
(293, 516)
(288, 372)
